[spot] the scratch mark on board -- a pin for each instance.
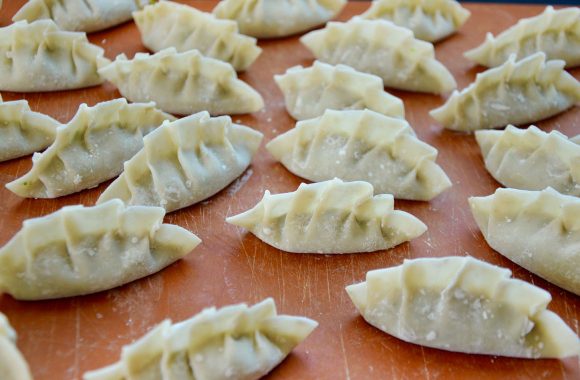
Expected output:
(346, 368)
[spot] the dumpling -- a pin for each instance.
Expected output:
(576, 140)
(513, 93)
(13, 366)
(234, 342)
(309, 92)
(90, 149)
(168, 24)
(82, 250)
(278, 18)
(430, 20)
(22, 131)
(182, 83)
(83, 16)
(185, 162)
(531, 159)
(330, 217)
(539, 230)
(366, 146)
(465, 305)
(44, 58)
(402, 61)
(555, 33)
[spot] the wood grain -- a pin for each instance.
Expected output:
(62, 339)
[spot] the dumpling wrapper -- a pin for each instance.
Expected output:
(464, 305)
(530, 159)
(82, 250)
(182, 83)
(234, 342)
(44, 58)
(22, 131)
(168, 24)
(80, 15)
(278, 18)
(365, 146)
(556, 33)
(185, 162)
(308, 92)
(430, 20)
(90, 149)
(13, 366)
(539, 230)
(514, 93)
(401, 60)
(330, 217)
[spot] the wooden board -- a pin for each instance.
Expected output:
(62, 339)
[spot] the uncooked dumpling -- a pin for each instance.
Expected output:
(308, 92)
(513, 93)
(530, 159)
(365, 146)
(13, 366)
(82, 250)
(185, 162)
(465, 305)
(90, 149)
(330, 217)
(539, 230)
(278, 18)
(384, 49)
(430, 20)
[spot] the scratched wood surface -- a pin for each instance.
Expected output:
(63, 338)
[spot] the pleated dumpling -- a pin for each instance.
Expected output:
(556, 33)
(234, 342)
(278, 18)
(22, 131)
(185, 162)
(182, 83)
(401, 60)
(513, 93)
(531, 159)
(168, 24)
(539, 230)
(308, 92)
(430, 20)
(366, 146)
(13, 366)
(330, 217)
(465, 305)
(90, 149)
(82, 250)
(82, 16)
(44, 58)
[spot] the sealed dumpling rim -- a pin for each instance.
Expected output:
(279, 18)
(330, 217)
(556, 33)
(235, 341)
(516, 93)
(366, 146)
(182, 83)
(538, 230)
(308, 92)
(13, 366)
(82, 250)
(401, 60)
(464, 305)
(430, 20)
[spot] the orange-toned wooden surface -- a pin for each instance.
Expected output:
(63, 338)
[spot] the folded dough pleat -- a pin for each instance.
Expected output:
(82, 250)
(330, 217)
(234, 342)
(13, 366)
(539, 230)
(90, 149)
(465, 305)
(365, 146)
